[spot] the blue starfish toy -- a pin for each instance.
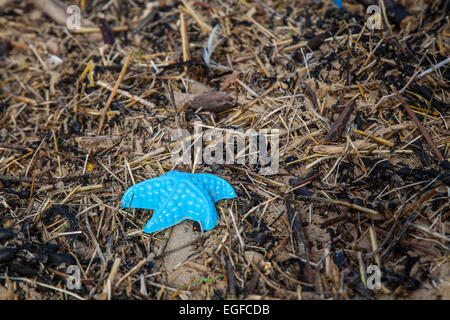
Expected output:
(177, 196)
(338, 3)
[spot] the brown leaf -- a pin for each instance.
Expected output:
(215, 101)
(338, 127)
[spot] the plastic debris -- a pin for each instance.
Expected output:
(177, 196)
(338, 3)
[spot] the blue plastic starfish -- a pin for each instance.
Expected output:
(177, 196)
(338, 3)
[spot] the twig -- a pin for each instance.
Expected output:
(114, 91)
(172, 100)
(419, 125)
(295, 224)
(108, 282)
(310, 94)
(230, 276)
(429, 231)
(237, 229)
(190, 11)
(435, 67)
(372, 213)
(304, 182)
(126, 94)
(399, 234)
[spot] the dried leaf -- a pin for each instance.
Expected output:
(338, 127)
(215, 101)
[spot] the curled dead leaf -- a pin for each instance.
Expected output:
(215, 101)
